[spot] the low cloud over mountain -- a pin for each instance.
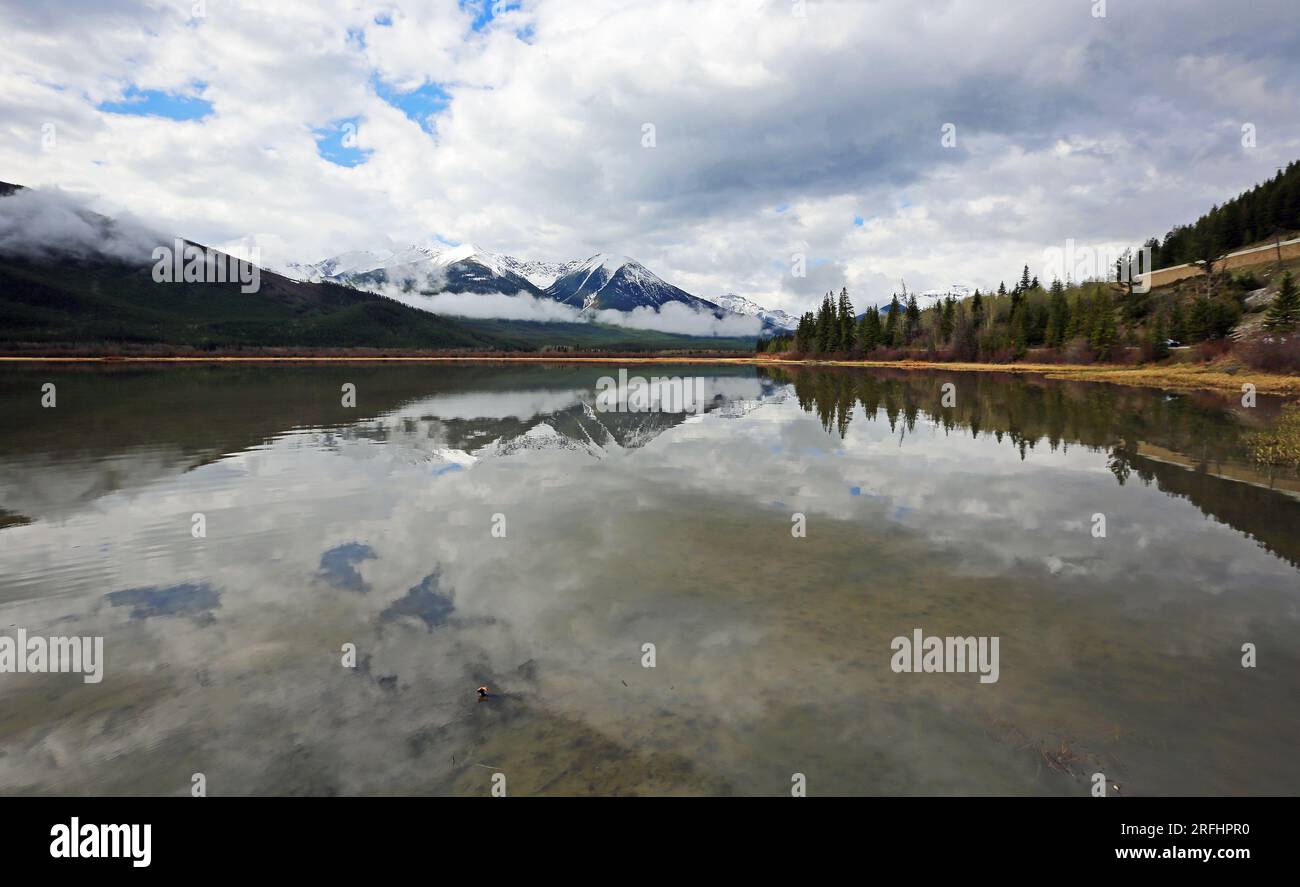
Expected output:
(41, 224)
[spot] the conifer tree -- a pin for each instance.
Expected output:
(947, 319)
(869, 330)
(848, 323)
(805, 336)
(911, 320)
(1058, 316)
(825, 325)
(1177, 323)
(1158, 338)
(1284, 313)
(892, 325)
(1105, 336)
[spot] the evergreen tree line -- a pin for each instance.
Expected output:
(1256, 215)
(1082, 322)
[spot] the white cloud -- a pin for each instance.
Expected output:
(41, 223)
(520, 306)
(674, 317)
(538, 154)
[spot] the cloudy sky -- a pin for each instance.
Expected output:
(779, 127)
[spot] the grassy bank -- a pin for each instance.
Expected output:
(1219, 376)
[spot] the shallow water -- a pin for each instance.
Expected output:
(373, 526)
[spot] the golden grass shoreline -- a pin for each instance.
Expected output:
(1179, 377)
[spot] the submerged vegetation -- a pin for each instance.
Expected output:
(1279, 445)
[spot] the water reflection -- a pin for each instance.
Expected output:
(373, 527)
(1190, 446)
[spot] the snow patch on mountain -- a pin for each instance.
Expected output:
(467, 281)
(956, 290)
(770, 317)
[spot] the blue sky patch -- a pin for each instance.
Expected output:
(156, 103)
(420, 104)
(338, 144)
(486, 10)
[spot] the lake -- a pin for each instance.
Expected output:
(301, 597)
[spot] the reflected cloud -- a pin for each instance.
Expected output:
(627, 529)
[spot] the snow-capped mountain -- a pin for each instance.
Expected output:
(616, 282)
(425, 269)
(956, 290)
(540, 274)
(601, 282)
(774, 318)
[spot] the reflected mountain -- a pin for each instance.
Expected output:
(119, 429)
(327, 632)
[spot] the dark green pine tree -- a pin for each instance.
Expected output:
(848, 323)
(1020, 331)
(1200, 322)
(832, 324)
(805, 337)
(1177, 323)
(977, 311)
(1105, 336)
(825, 320)
(891, 331)
(911, 320)
(869, 331)
(1284, 312)
(1058, 316)
(947, 319)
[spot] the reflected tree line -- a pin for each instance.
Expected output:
(1185, 445)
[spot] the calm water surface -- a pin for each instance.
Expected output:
(373, 526)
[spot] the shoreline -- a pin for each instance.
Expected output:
(1180, 377)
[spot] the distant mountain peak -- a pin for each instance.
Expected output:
(772, 318)
(604, 281)
(610, 281)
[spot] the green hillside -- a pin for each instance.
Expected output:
(80, 303)
(69, 303)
